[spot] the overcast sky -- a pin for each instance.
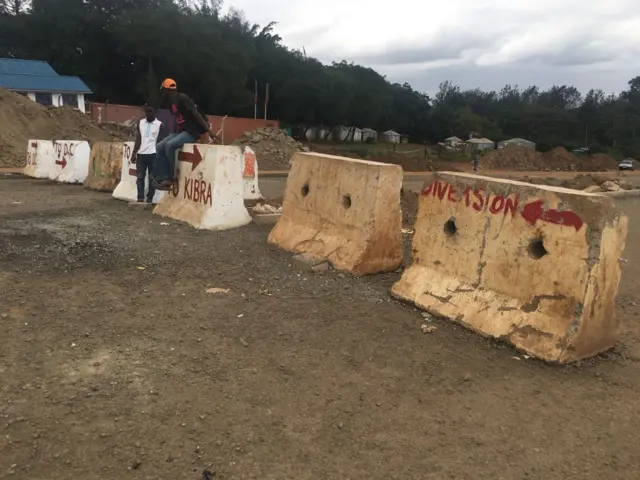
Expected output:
(474, 43)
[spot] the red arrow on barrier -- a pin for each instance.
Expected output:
(193, 158)
(534, 211)
(62, 162)
(34, 144)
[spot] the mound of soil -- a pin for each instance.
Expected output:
(598, 162)
(560, 159)
(22, 119)
(515, 157)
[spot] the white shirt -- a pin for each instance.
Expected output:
(148, 136)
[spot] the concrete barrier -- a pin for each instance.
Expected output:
(127, 188)
(532, 265)
(40, 159)
(71, 161)
(250, 175)
(209, 191)
(105, 166)
(345, 210)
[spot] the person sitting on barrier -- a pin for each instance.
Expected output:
(190, 126)
(150, 130)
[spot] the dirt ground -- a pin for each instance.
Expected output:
(117, 364)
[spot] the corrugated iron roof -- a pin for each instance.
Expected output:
(479, 140)
(14, 66)
(43, 83)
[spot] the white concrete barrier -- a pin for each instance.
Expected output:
(40, 159)
(250, 175)
(71, 161)
(127, 188)
(210, 189)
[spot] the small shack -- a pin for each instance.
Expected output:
(480, 144)
(518, 141)
(390, 136)
(369, 135)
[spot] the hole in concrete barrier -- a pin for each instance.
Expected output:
(536, 249)
(450, 227)
(305, 190)
(346, 201)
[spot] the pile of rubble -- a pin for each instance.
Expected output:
(273, 147)
(611, 186)
(515, 157)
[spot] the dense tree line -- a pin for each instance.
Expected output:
(123, 48)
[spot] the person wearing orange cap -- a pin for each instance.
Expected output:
(190, 126)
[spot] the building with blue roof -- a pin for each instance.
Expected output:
(41, 83)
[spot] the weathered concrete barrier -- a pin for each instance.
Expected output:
(209, 192)
(40, 159)
(71, 161)
(535, 266)
(345, 210)
(250, 175)
(105, 165)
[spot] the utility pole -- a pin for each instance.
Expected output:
(255, 99)
(266, 101)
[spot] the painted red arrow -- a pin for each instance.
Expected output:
(62, 162)
(34, 144)
(193, 158)
(534, 211)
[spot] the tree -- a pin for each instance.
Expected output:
(123, 48)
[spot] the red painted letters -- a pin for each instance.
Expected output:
(481, 200)
(63, 152)
(197, 191)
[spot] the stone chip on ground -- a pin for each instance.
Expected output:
(311, 263)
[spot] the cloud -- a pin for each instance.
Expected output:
(445, 45)
(485, 42)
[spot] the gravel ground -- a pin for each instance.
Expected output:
(116, 363)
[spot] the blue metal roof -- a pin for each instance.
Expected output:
(36, 76)
(14, 66)
(43, 83)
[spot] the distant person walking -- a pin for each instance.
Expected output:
(150, 130)
(190, 126)
(476, 161)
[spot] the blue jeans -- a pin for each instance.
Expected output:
(165, 165)
(144, 164)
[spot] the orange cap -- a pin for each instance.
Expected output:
(169, 84)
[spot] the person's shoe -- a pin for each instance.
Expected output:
(164, 185)
(139, 200)
(149, 200)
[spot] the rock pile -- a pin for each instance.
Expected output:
(611, 186)
(273, 147)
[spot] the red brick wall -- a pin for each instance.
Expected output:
(234, 127)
